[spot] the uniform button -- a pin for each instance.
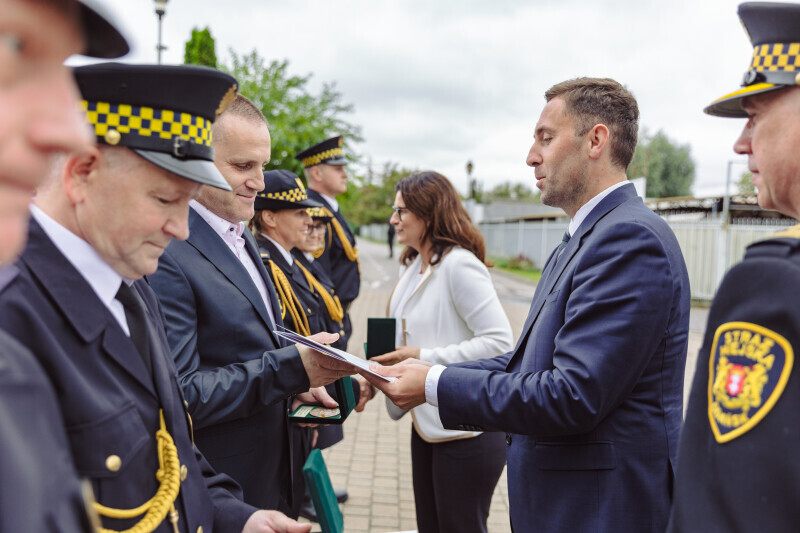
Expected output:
(113, 463)
(184, 472)
(186, 403)
(341, 333)
(308, 310)
(508, 439)
(199, 529)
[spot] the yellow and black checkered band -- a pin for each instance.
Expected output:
(776, 56)
(316, 159)
(292, 195)
(318, 212)
(183, 135)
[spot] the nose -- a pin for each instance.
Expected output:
(177, 225)
(534, 158)
(256, 181)
(743, 143)
(394, 219)
(58, 124)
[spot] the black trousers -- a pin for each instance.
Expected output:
(454, 481)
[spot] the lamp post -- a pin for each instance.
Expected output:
(726, 202)
(470, 181)
(161, 8)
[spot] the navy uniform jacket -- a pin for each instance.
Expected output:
(109, 402)
(591, 397)
(327, 323)
(234, 370)
(298, 283)
(343, 272)
(739, 460)
(39, 489)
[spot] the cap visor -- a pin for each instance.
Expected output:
(730, 105)
(270, 204)
(103, 37)
(337, 161)
(198, 170)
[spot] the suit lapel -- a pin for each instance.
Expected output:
(80, 306)
(546, 284)
(211, 246)
(252, 248)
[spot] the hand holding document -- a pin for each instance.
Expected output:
(335, 353)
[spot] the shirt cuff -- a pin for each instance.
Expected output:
(432, 384)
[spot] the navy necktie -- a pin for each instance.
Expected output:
(137, 321)
(564, 242)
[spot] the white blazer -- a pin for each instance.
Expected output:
(453, 315)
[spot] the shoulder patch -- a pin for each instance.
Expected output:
(791, 233)
(748, 370)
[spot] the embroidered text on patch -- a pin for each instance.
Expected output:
(748, 370)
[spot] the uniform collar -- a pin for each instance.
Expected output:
(103, 279)
(286, 255)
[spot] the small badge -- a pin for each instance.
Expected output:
(748, 370)
(324, 412)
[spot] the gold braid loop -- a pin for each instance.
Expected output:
(332, 303)
(290, 300)
(349, 250)
(157, 507)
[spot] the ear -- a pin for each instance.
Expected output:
(79, 172)
(268, 219)
(598, 141)
(313, 174)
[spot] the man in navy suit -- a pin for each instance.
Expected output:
(222, 311)
(79, 304)
(591, 396)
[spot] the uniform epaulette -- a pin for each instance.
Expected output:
(791, 233)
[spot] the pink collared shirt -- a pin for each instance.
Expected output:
(231, 233)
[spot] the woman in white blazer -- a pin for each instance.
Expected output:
(447, 311)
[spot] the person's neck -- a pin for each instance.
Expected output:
(329, 194)
(425, 255)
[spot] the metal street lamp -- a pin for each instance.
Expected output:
(470, 181)
(161, 9)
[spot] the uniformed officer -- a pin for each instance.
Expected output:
(333, 316)
(323, 165)
(280, 224)
(738, 463)
(99, 224)
(39, 489)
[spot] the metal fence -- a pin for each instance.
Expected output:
(710, 248)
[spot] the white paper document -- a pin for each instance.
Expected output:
(331, 352)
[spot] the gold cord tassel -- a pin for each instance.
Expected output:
(349, 250)
(332, 303)
(290, 300)
(157, 507)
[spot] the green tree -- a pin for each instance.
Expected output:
(745, 183)
(513, 191)
(297, 118)
(668, 166)
(372, 197)
(200, 49)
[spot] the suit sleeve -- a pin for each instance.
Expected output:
(474, 299)
(224, 393)
(616, 314)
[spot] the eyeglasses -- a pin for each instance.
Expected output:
(399, 211)
(317, 229)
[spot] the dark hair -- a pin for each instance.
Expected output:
(592, 101)
(432, 197)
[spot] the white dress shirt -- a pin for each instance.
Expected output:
(103, 279)
(334, 205)
(432, 379)
(286, 255)
(232, 235)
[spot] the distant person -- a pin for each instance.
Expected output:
(447, 312)
(38, 104)
(591, 397)
(390, 238)
(738, 467)
(326, 176)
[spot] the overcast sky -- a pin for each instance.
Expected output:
(437, 83)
